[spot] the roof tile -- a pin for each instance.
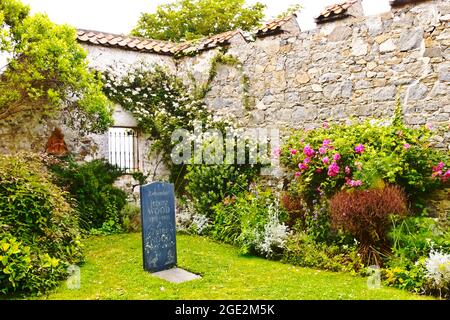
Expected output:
(274, 25)
(335, 11)
(164, 47)
(124, 42)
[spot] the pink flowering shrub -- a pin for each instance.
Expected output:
(364, 155)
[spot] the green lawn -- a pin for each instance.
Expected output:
(113, 270)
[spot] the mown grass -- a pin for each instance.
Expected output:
(113, 270)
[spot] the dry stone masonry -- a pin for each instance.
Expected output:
(350, 66)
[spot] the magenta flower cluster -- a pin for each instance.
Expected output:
(439, 172)
(359, 148)
(326, 166)
(353, 183)
(324, 156)
(308, 151)
(333, 170)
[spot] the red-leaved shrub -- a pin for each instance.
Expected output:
(365, 215)
(295, 207)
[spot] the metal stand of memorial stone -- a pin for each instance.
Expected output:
(159, 232)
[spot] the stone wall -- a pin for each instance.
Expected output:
(439, 204)
(349, 68)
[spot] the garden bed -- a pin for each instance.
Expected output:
(113, 270)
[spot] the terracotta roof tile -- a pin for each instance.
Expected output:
(125, 42)
(207, 43)
(170, 48)
(335, 11)
(82, 37)
(274, 25)
(103, 40)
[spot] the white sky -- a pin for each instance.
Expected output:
(120, 16)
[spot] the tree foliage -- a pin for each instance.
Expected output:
(193, 19)
(47, 70)
(291, 10)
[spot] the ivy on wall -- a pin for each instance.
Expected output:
(222, 58)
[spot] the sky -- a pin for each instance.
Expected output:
(120, 16)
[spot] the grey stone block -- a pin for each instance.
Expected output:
(176, 275)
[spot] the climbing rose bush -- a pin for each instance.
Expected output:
(364, 155)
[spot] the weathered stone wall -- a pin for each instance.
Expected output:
(102, 58)
(351, 68)
(343, 69)
(439, 204)
(348, 68)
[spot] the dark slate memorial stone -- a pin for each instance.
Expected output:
(158, 226)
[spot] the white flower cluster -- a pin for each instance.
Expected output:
(184, 216)
(275, 233)
(189, 221)
(200, 222)
(438, 269)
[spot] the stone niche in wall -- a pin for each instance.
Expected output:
(56, 145)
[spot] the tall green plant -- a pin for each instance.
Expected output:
(91, 186)
(207, 186)
(39, 234)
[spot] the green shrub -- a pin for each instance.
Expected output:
(414, 237)
(208, 185)
(131, 217)
(317, 223)
(39, 234)
(15, 263)
(227, 219)
(414, 241)
(361, 156)
(97, 200)
(253, 221)
(303, 251)
(410, 278)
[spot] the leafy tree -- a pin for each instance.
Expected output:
(193, 19)
(46, 71)
(292, 9)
